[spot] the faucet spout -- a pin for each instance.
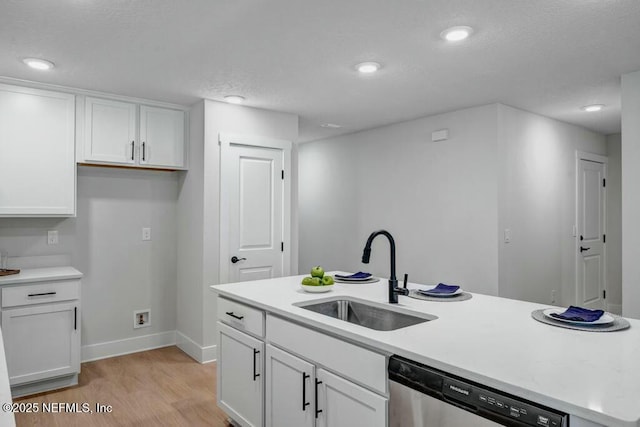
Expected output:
(393, 281)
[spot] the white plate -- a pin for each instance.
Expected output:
(367, 280)
(354, 279)
(605, 319)
(425, 291)
(317, 289)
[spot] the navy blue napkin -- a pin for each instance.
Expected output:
(358, 275)
(579, 314)
(442, 289)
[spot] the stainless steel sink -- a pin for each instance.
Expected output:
(366, 314)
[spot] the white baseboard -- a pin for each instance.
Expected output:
(614, 308)
(196, 351)
(126, 346)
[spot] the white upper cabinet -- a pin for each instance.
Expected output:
(110, 131)
(37, 152)
(127, 134)
(162, 137)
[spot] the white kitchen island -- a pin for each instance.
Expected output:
(493, 341)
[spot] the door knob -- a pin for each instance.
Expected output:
(583, 249)
(235, 259)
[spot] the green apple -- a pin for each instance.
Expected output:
(307, 281)
(317, 271)
(327, 280)
(315, 281)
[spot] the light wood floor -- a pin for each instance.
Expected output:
(162, 387)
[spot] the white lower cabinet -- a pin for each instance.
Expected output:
(290, 390)
(305, 379)
(41, 332)
(315, 386)
(240, 376)
(299, 394)
(41, 342)
(342, 403)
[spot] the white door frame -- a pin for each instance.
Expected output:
(583, 155)
(226, 140)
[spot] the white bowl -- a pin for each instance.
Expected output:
(317, 289)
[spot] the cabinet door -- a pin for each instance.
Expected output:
(37, 152)
(41, 341)
(110, 131)
(344, 403)
(290, 390)
(161, 137)
(240, 376)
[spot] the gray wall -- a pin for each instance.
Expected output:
(199, 206)
(448, 203)
(122, 273)
(439, 200)
(538, 204)
(614, 223)
(630, 195)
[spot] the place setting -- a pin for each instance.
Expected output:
(440, 292)
(359, 277)
(582, 319)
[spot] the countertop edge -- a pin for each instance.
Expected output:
(34, 275)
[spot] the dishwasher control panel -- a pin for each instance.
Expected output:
(499, 403)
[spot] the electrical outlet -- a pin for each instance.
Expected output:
(507, 235)
(52, 237)
(553, 297)
(146, 233)
(141, 318)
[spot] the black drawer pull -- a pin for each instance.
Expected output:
(255, 375)
(230, 313)
(42, 294)
(304, 391)
(75, 318)
(316, 396)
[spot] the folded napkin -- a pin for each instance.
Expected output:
(579, 314)
(358, 275)
(442, 289)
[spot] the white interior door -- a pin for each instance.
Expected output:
(591, 286)
(255, 205)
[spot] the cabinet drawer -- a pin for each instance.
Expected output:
(46, 292)
(359, 364)
(241, 316)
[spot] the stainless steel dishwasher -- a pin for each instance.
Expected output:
(421, 396)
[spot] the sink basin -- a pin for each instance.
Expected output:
(364, 313)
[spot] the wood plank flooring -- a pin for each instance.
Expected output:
(162, 387)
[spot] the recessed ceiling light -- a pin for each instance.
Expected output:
(368, 67)
(330, 126)
(234, 99)
(38, 64)
(592, 108)
(456, 34)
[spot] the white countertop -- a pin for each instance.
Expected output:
(31, 275)
(490, 340)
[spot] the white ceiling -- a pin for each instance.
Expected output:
(546, 56)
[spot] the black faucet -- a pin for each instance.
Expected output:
(394, 290)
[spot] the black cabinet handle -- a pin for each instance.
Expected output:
(255, 375)
(304, 391)
(143, 151)
(75, 318)
(230, 313)
(316, 398)
(583, 249)
(42, 294)
(133, 147)
(235, 259)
